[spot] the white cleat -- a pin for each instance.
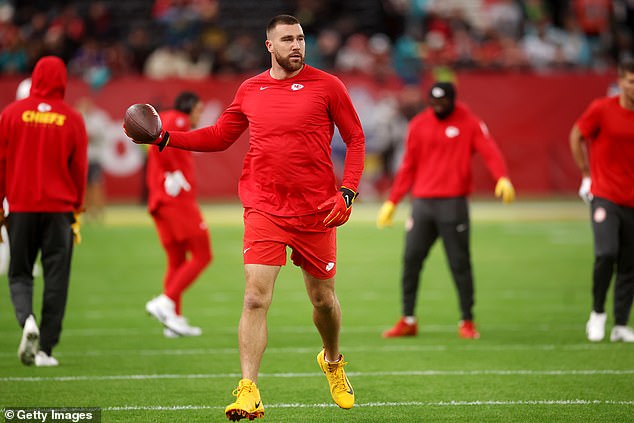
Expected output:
(168, 333)
(595, 328)
(30, 342)
(181, 327)
(161, 308)
(622, 334)
(44, 360)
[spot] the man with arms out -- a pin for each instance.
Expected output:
(43, 166)
(179, 223)
(602, 145)
(289, 195)
(436, 169)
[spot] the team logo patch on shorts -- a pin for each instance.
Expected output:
(599, 215)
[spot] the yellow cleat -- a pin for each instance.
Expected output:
(340, 387)
(248, 404)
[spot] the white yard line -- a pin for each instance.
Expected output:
(361, 349)
(381, 404)
(404, 373)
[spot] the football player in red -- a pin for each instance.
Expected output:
(181, 228)
(602, 144)
(436, 169)
(290, 197)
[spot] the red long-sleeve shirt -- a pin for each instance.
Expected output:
(437, 160)
(43, 146)
(287, 170)
(170, 160)
(609, 129)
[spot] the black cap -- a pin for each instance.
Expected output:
(443, 90)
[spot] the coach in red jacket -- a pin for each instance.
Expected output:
(180, 225)
(436, 169)
(43, 165)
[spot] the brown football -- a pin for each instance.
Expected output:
(142, 123)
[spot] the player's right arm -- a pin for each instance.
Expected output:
(583, 129)
(230, 125)
(579, 150)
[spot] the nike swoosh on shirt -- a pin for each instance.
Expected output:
(263, 88)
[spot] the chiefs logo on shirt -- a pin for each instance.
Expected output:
(452, 132)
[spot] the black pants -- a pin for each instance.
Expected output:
(449, 219)
(613, 229)
(51, 234)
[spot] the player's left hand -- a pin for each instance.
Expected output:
(504, 188)
(341, 204)
(76, 227)
(585, 190)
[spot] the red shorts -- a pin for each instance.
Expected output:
(314, 247)
(178, 222)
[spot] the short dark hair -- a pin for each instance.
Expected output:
(626, 66)
(281, 20)
(186, 101)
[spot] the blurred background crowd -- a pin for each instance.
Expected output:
(103, 39)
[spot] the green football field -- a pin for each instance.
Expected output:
(532, 264)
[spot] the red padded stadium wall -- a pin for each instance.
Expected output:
(529, 115)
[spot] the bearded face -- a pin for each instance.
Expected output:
(287, 46)
(291, 62)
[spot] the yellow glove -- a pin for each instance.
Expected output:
(504, 188)
(386, 213)
(76, 227)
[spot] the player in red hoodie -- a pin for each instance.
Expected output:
(436, 169)
(180, 225)
(290, 197)
(43, 167)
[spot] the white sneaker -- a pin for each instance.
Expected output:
(180, 326)
(161, 308)
(44, 360)
(30, 342)
(595, 328)
(168, 333)
(622, 333)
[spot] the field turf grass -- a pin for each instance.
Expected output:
(532, 266)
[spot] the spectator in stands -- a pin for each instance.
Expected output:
(140, 48)
(13, 56)
(323, 53)
(89, 61)
(449, 32)
(505, 16)
(354, 55)
(99, 22)
(541, 47)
